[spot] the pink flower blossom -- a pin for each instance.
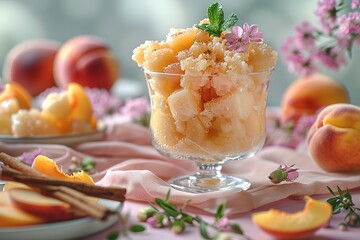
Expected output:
(295, 59)
(303, 66)
(224, 224)
(242, 36)
(136, 108)
(298, 59)
(304, 35)
(355, 4)
(332, 57)
(29, 157)
(292, 173)
(328, 45)
(288, 135)
(349, 24)
(103, 102)
(152, 221)
(234, 39)
(286, 173)
(251, 33)
(326, 12)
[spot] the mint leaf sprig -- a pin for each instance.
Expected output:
(217, 22)
(167, 214)
(343, 201)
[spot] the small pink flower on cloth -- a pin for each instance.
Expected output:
(286, 173)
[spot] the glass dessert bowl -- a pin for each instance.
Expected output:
(208, 86)
(208, 119)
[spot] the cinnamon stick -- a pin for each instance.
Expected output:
(76, 199)
(17, 165)
(111, 193)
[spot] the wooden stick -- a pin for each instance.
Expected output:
(112, 193)
(76, 199)
(17, 165)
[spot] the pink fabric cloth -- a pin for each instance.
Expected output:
(126, 158)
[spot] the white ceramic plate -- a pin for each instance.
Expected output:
(72, 229)
(68, 139)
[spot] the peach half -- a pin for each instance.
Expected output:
(87, 60)
(294, 225)
(307, 95)
(334, 138)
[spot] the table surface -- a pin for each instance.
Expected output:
(250, 229)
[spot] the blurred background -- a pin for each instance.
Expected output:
(125, 24)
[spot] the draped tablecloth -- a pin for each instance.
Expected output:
(126, 158)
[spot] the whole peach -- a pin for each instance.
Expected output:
(88, 61)
(334, 138)
(307, 95)
(31, 64)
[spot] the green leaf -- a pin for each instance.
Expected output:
(217, 22)
(154, 207)
(220, 211)
(229, 22)
(203, 230)
(167, 207)
(331, 191)
(337, 208)
(216, 15)
(137, 228)
(348, 195)
(235, 228)
(332, 201)
(113, 236)
(188, 219)
(203, 26)
(341, 194)
(168, 195)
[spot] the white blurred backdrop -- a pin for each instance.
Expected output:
(125, 24)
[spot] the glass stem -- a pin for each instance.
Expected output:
(209, 170)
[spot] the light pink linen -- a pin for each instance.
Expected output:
(127, 159)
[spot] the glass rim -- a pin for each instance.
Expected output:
(209, 75)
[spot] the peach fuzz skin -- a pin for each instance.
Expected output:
(88, 61)
(30, 64)
(334, 138)
(307, 95)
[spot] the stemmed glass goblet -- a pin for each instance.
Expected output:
(208, 119)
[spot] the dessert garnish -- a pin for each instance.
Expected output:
(217, 23)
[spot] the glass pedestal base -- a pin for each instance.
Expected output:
(201, 184)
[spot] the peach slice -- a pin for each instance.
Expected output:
(300, 224)
(15, 90)
(81, 108)
(11, 184)
(11, 216)
(48, 167)
(48, 208)
(56, 105)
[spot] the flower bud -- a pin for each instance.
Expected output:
(145, 213)
(342, 226)
(178, 227)
(223, 236)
